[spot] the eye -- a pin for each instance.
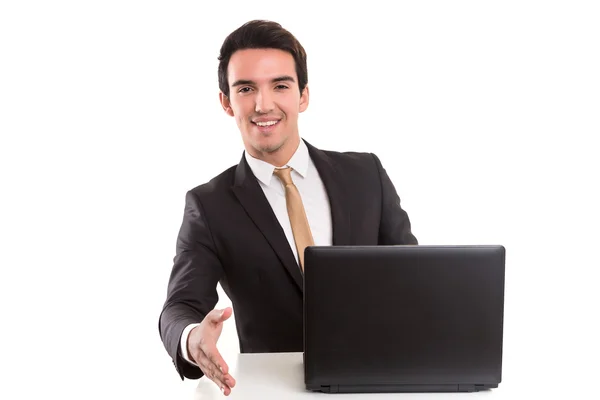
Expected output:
(281, 87)
(244, 90)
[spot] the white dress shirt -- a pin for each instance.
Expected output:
(314, 198)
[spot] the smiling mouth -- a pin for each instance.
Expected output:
(266, 126)
(266, 123)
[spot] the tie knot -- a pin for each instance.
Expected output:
(284, 174)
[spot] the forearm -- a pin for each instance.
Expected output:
(174, 320)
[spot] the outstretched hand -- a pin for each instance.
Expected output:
(202, 348)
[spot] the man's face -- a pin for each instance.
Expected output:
(265, 99)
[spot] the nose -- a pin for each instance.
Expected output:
(264, 103)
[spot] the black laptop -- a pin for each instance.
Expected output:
(403, 318)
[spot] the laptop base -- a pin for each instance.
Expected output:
(398, 388)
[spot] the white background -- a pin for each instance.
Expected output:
(485, 115)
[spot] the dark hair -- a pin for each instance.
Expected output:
(261, 34)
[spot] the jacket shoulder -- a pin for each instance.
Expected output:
(352, 158)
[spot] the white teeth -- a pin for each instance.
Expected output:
(268, 123)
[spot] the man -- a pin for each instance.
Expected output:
(248, 227)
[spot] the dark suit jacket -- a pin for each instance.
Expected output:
(230, 235)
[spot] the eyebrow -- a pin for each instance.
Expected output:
(284, 78)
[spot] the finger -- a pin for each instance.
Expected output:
(222, 386)
(213, 373)
(213, 369)
(213, 355)
(229, 380)
(217, 316)
(224, 380)
(226, 390)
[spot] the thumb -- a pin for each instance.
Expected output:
(226, 313)
(221, 315)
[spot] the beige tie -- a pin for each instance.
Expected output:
(300, 228)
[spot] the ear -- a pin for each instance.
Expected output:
(304, 99)
(226, 104)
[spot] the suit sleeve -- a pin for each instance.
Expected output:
(394, 227)
(192, 288)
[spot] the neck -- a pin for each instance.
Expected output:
(279, 157)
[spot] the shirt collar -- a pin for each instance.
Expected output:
(264, 171)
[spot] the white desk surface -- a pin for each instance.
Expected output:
(281, 376)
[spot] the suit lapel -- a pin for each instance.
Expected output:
(252, 198)
(334, 182)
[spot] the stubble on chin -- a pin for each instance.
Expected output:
(270, 149)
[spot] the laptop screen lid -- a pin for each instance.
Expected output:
(403, 318)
